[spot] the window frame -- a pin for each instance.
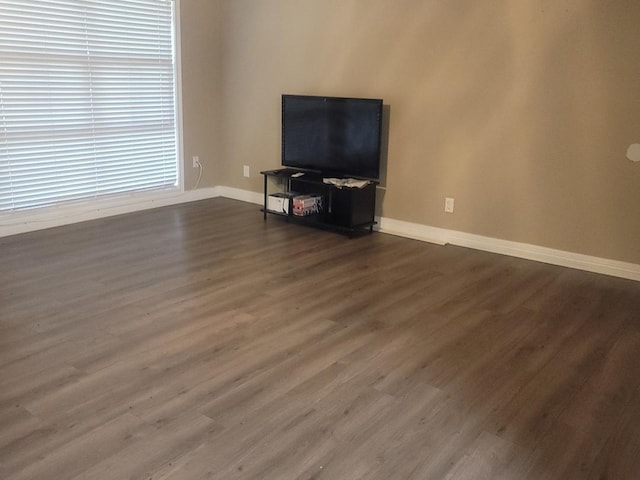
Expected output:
(16, 221)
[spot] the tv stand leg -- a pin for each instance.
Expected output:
(265, 199)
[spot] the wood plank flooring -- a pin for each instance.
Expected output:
(200, 342)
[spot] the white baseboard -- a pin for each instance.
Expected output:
(13, 224)
(441, 236)
(49, 217)
(615, 268)
(243, 195)
(57, 216)
(412, 230)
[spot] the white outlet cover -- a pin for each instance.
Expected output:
(633, 153)
(449, 204)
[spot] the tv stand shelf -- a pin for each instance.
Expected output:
(346, 210)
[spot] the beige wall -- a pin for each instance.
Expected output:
(200, 71)
(520, 110)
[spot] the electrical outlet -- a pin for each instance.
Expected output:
(448, 205)
(245, 171)
(196, 161)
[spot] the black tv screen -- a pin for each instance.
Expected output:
(334, 135)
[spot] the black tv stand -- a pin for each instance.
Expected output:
(346, 210)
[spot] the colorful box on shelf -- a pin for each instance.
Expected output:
(307, 205)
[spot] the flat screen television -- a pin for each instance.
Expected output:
(334, 135)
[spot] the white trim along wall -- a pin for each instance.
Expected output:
(57, 216)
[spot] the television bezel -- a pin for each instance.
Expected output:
(343, 172)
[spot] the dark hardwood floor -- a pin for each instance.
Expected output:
(200, 342)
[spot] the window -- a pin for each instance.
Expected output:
(87, 100)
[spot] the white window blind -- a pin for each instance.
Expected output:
(87, 103)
